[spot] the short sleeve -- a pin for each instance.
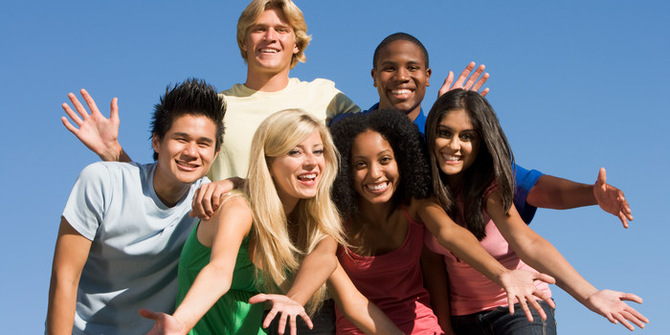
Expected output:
(524, 180)
(85, 208)
(340, 105)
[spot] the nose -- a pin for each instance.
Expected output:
(375, 171)
(454, 143)
(310, 161)
(271, 34)
(191, 149)
(402, 74)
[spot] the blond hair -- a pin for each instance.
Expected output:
(276, 254)
(292, 13)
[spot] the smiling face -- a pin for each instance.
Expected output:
(456, 144)
(401, 77)
(297, 174)
(270, 43)
(185, 153)
(374, 168)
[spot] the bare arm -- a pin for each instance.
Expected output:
(517, 283)
(558, 193)
(224, 234)
(436, 282)
(69, 258)
(541, 255)
(98, 133)
(314, 270)
(356, 307)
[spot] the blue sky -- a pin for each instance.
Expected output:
(577, 85)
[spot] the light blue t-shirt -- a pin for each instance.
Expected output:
(136, 242)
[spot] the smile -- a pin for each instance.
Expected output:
(307, 177)
(451, 158)
(377, 187)
(401, 93)
(271, 51)
(186, 166)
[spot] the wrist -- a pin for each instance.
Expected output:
(112, 152)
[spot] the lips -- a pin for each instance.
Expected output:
(376, 188)
(187, 166)
(309, 178)
(401, 93)
(451, 159)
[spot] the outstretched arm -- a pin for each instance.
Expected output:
(98, 133)
(69, 258)
(224, 235)
(541, 255)
(314, 270)
(474, 83)
(356, 307)
(517, 283)
(558, 193)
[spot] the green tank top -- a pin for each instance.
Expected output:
(232, 313)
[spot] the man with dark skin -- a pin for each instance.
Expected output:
(401, 74)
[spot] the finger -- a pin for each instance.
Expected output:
(147, 314)
(637, 315)
(526, 310)
(531, 300)
(545, 278)
(196, 209)
(294, 327)
(90, 102)
(206, 202)
(624, 219)
(446, 86)
(307, 320)
(631, 297)
(464, 75)
(632, 318)
(114, 110)
(74, 116)
(602, 177)
(484, 92)
(621, 319)
(78, 106)
(258, 298)
(282, 324)
(480, 82)
(68, 125)
(268, 319)
(473, 79)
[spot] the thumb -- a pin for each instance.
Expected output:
(145, 313)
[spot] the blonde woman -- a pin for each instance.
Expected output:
(280, 229)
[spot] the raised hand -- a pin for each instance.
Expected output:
(474, 83)
(520, 287)
(287, 307)
(611, 305)
(611, 199)
(98, 133)
(165, 324)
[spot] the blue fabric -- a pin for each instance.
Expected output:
(500, 322)
(524, 180)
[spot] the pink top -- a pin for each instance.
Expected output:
(392, 281)
(470, 291)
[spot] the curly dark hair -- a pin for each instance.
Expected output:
(191, 97)
(408, 147)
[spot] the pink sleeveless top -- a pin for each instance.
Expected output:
(394, 283)
(470, 291)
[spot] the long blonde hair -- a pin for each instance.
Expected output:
(276, 254)
(293, 15)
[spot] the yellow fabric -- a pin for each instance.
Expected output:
(247, 108)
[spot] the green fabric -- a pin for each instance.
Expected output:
(232, 313)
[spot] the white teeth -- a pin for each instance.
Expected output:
(377, 187)
(269, 50)
(401, 91)
(307, 176)
(450, 158)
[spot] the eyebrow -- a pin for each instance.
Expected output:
(202, 138)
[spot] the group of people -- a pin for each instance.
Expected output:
(319, 218)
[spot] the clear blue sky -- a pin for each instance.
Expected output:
(577, 85)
